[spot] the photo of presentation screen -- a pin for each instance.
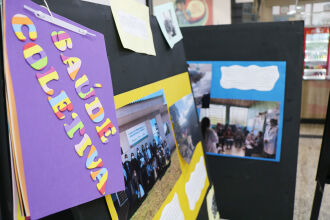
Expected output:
(243, 128)
(186, 126)
(150, 161)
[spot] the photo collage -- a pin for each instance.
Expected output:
(240, 114)
(160, 139)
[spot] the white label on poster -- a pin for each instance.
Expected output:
(172, 210)
(133, 25)
(276, 10)
(196, 183)
(136, 133)
(247, 78)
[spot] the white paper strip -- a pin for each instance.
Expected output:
(248, 78)
(196, 183)
(172, 210)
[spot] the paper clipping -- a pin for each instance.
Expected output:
(168, 23)
(133, 25)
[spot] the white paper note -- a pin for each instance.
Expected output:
(248, 78)
(196, 183)
(172, 210)
(133, 25)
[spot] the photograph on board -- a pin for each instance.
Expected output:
(200, 75)
(168, 23)
(244, 128)
(194, 12)
(246, 109)
(186, 126)
(150, 160)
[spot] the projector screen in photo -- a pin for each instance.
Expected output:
(245, 115)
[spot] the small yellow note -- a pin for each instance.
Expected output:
(133, 25)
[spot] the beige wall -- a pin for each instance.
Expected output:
(265, 13)
(222, 11)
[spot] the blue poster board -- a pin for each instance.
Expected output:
(258, 87)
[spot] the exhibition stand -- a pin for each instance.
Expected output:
(61, 157)
(251, 187)
(135, 76)
(323, 171)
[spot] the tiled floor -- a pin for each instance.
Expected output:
(308, 156)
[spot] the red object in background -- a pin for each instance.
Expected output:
(316, 61)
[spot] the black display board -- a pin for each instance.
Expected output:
(245, 188)
(129, 70)
(323, 170)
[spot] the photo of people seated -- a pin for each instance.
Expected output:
(150, 160)
(241, 128)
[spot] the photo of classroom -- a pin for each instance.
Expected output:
(150, 162)
(245, 128)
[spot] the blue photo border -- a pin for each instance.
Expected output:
(277, 94)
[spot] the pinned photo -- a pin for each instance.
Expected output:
(150, 162)
(244, 128)
(168, 23)
(245, 115)
(186, 126)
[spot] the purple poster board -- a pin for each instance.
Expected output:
(56, 175)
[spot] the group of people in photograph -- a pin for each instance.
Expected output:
(222, 138)
(143, 169)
